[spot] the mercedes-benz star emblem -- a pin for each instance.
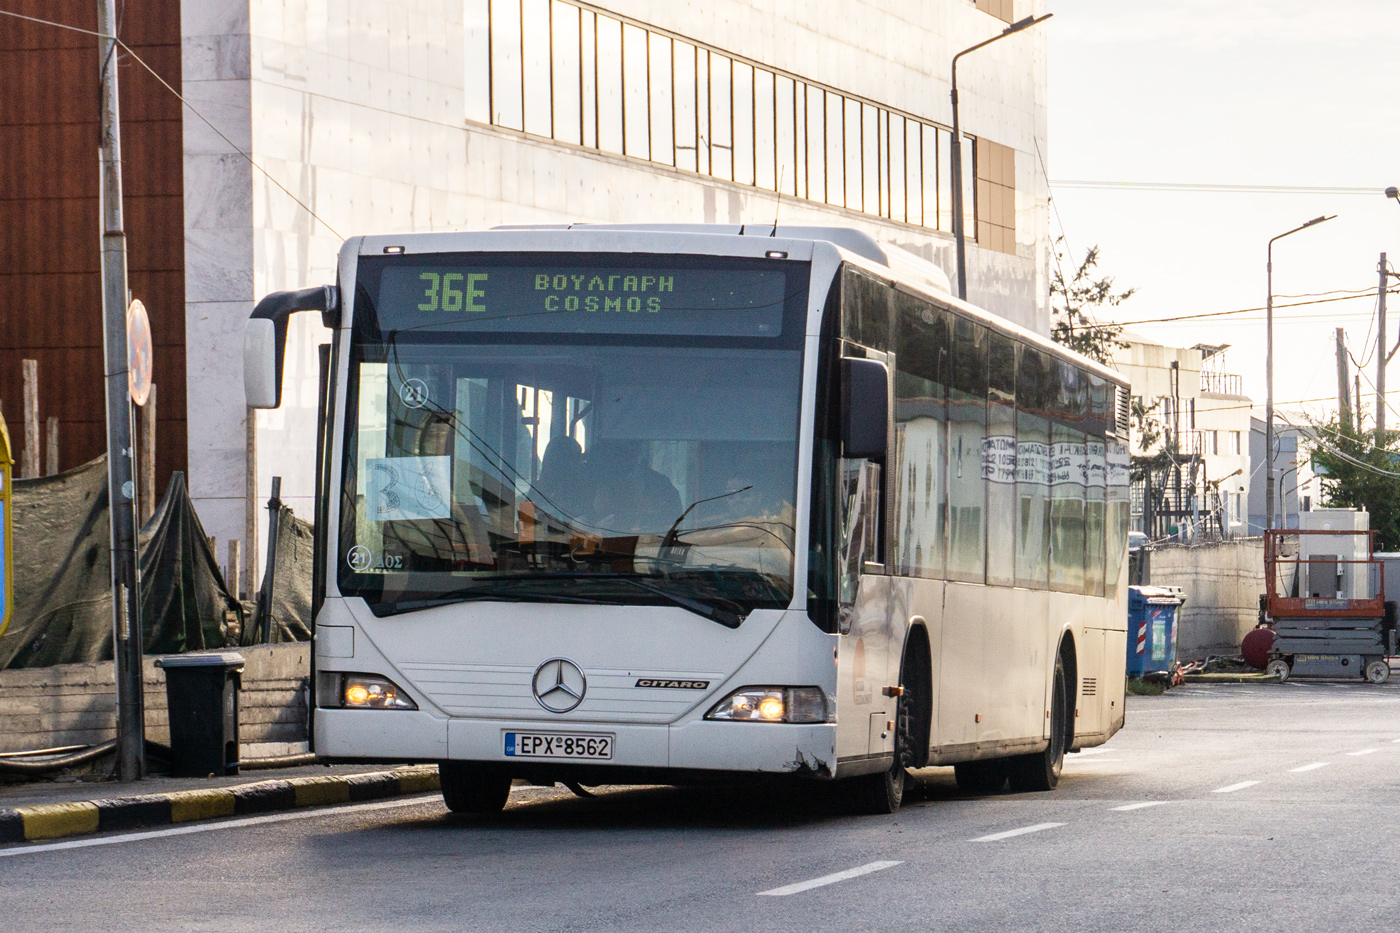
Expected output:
(559, 685)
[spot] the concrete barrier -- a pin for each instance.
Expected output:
(1222, 583)
(75, 704)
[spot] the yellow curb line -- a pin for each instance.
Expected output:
(417, 781)
(51, 820)
(320, 791)
(186, 805)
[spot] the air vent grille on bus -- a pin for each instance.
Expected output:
(1121, 411)
(1091, 686)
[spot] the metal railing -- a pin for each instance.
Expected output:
(565, 70)
(1190, 443)
(1221, 384)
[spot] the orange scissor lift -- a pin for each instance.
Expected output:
(1328, 611)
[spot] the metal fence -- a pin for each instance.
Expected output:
(1221, 384)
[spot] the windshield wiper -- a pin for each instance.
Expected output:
(729, 614)
(475, 595)
(668, 541)
(730, 618)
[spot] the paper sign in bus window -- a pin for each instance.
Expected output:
(399, 489)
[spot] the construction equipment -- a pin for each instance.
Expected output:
(1325, 601)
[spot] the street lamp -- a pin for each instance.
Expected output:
(1269, 378)
(957, 147)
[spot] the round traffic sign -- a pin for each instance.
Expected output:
(140, 359)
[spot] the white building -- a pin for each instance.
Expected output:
(1297, 489)
(464, 114)
(1194, 399)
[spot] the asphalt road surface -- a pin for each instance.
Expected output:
(1222, 807)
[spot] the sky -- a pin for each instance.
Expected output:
(1288, 93)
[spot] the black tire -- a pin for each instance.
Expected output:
(982, 777)
(472, 788)
(878, 794)
(875, 794)
(1041, 771)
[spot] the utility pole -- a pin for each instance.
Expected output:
(1356, 394)
(1343, 383)
(1381, 358)
(121, 480)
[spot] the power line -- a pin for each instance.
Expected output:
(140, 61)
(1337, 451)
(1212, 188)
(1211, 314)
(1297, 401)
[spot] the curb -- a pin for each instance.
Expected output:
(55, 820)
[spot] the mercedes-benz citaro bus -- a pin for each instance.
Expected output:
(663, 504)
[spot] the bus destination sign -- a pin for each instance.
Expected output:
(717, 302)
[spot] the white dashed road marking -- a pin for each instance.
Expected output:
(824, 880)
(1364, 751)
(1234, 787)
(995, 837)
(1312, 767)
(1139, 806)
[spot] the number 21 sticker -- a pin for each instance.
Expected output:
(360, 558)
(414, 393)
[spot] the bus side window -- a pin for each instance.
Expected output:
(999, 461)
(1068, 480)
(1033, 469)
(1119, 461)
(860, 529)
(865, 311)
(919, 464)
(967, 436)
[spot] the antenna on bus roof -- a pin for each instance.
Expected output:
(777, 207)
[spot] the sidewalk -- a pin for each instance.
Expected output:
(51, 810)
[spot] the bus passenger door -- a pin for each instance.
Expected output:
(867, 640)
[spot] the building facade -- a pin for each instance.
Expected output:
(1195, 411)
(376, 117)
(1297, 489)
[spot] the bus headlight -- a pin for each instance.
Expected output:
(772, 704)
(370, 691)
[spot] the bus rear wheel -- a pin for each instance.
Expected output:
(1041, 771)
(471, 788)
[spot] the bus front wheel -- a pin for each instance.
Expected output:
(471, 788)
(1041, 771)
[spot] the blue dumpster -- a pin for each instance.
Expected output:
(1152, 618)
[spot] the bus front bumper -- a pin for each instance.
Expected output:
(697, 745)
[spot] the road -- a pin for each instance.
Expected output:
(1221, 807)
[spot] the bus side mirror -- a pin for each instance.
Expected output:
(265, 339)
(865, 409)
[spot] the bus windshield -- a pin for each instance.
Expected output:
(573, 428)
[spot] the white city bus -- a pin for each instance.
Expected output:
(673, 503)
